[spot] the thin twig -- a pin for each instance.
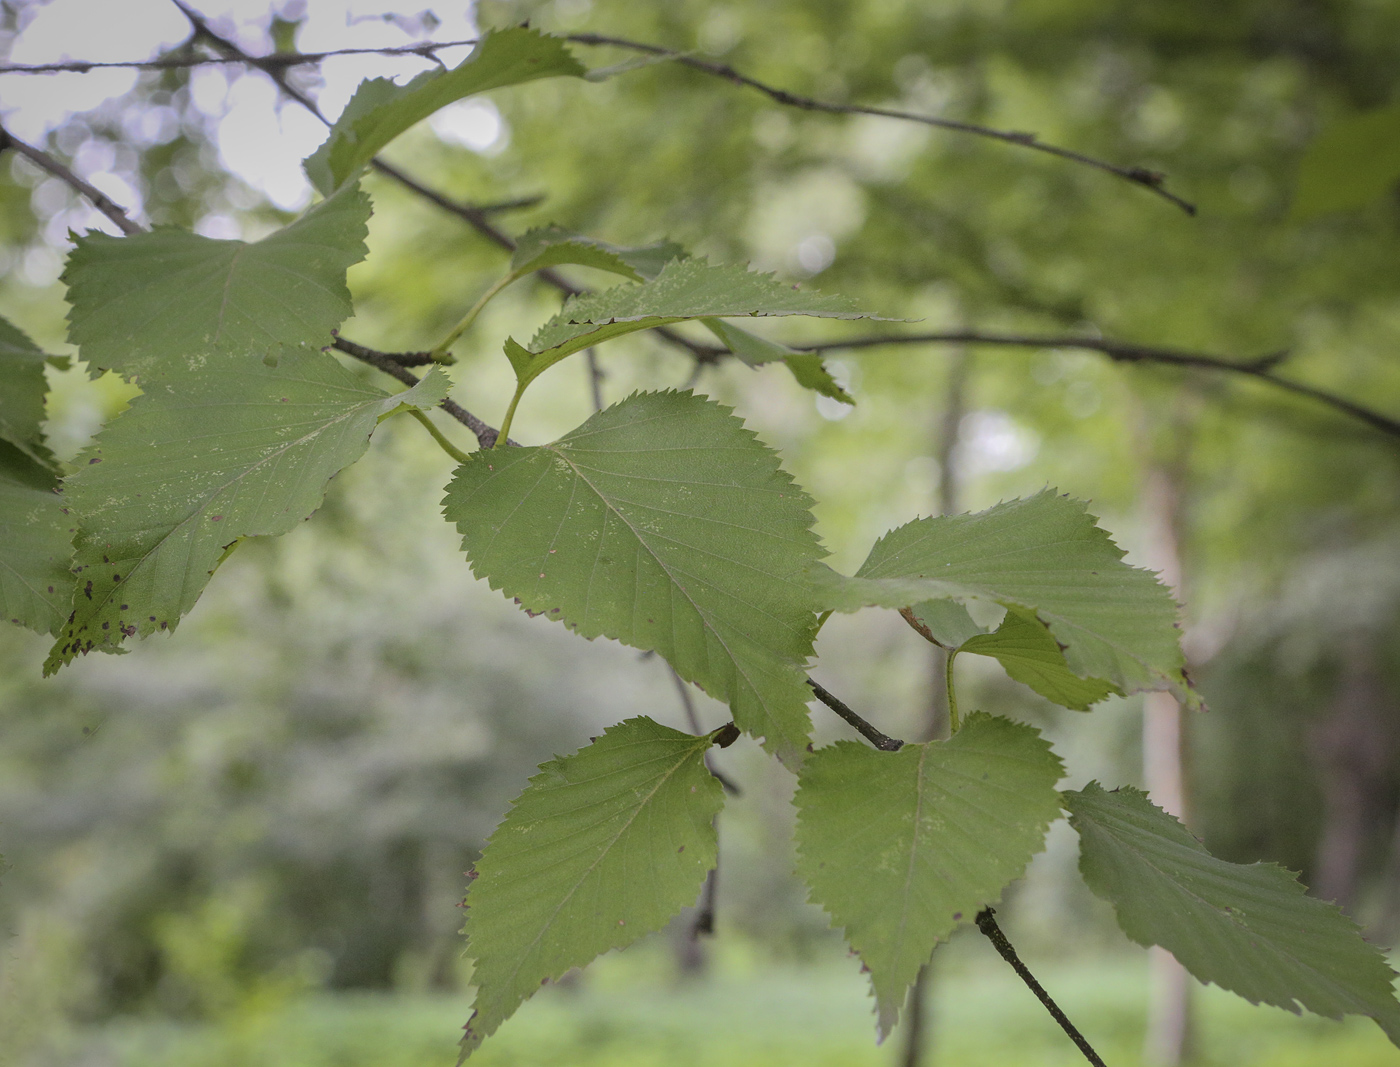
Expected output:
(384, 361)
(692, 719)
(1148, 179)
(281, 60)
(1260, 369)
(883, 742)
(595, 377)
(403, 359)
(98, 198)
(988, 925)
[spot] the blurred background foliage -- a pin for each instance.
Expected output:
(246, 826)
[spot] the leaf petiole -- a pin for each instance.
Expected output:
(504, 432)
(440, 352)
(953, 721)
(447, 446)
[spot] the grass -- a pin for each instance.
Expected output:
(630, 1011)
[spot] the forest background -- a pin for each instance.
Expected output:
(246, 844)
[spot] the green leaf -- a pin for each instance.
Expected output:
(1353, 162)
(948, 622)
(1031, 655)
(754, 351)
(168, 300)
(553, 246)
(685, 289)
(380, 110)
(22, 390)
(1248, 928)
(1044, 553)
(243, 448)
(603, 847)
(36, 541)
(664, 523)
(901, 847)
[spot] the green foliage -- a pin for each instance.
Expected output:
(36, 540)
(1030, 654)
(661, 522)
(902, 847)
(684, 289)
(1046, 554)
(754, 351)
(22, 389)
(168, 301)
(380, 110)
(240, 448)
(1353, 162)
(1249, 928)
(554, 246)
(603, 847)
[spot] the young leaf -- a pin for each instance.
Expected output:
(241, 448)
(754, 351)
(603, 847)
(22, 389)
(380, 110)
(1248, 928)
(553, 246)
(685, 289)
(169, 299)
(661, 522)
(1044, 553)
(36, 541)
(1351, 163)
(901, 847)
(1031, 655)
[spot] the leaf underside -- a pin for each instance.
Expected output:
(665, 524)
(36, 541)
(173, 301)
(807, 368)
(22, 389)
(554, 246)
(603, 847)
(1031, 656)
(901, 847)
(243, 448)
(1044, 553)
(381, 110)
(1248, 928)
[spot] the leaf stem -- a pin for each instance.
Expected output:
(510, 415)
(988, 925)
(447, 446)
(440, 352)
(953, 721)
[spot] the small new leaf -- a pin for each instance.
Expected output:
(36, 542)
(553, 246)
(241, 449)
(1045, 553)
(754, 351)
(901, 847)
(381, 110)
(603, 847)
(1248, 928)
(684, 289)
(665, 524)
(170, 300)
(1031, 655)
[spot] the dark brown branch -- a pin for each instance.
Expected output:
(1149, 179)
(390, 364)
(883, 742)
(99, 199)
(1260, 369)
(281, 60)
(403, 359)
(988, 925)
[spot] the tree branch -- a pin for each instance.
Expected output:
(1151, 180)
(883, 742)
(988, 925)
(99, 199)
(282, 60)
(1261, 369)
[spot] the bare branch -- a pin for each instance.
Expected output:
(882, 741)
(1260, 369)
(282, 60)
(1148, 179)
(99, 199)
